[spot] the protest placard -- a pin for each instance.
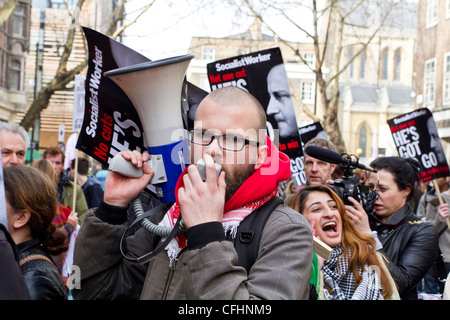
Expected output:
(111, 123)
(263, 74)
(416, 136)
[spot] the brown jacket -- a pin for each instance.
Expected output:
(281, 271)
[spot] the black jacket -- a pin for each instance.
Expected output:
(12, 284)
(43, 279)
(411, 245)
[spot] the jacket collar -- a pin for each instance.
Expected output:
(398, 217)
(27, 245)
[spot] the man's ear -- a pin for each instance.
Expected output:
(261, 157)
(21, 219)
(333, 166)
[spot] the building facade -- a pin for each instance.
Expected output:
(14, 46)
(301, 78)
(378, 84)
(50, 22)
(432, 65)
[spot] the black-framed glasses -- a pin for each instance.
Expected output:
(228, 142)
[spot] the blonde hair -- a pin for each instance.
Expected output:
(46, 167)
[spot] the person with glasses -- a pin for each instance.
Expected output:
(202, 262)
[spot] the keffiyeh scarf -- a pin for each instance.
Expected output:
(230, 223)
(341, 280)
(258, 189)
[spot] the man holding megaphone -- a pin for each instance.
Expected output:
(202, 262)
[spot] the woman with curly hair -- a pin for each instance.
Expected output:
(31, 204)
(355, 271)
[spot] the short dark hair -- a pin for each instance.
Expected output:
(54, 151)
(406, 171)
(83, 165)
(321, 142)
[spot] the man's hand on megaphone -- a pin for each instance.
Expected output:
(202, 201)
(121, 190)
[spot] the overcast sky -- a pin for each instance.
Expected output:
(166, 30)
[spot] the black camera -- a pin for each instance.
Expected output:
(345, 188)
(348, 186)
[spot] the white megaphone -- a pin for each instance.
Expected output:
(155, 88)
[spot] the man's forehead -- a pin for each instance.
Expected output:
(11, 140)
(54, 157)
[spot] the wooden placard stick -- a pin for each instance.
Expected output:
(321, 248)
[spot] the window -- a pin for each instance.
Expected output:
(208, 53)
(446, 84)
(429, 83)
(307, 92)
(397, 60)
(309, 58)
(363, 140)
(350, 66)
(384, 64)
(362, 70)
(432, 13)
(19, 21)
(14, 75)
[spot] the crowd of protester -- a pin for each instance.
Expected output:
(395, 248)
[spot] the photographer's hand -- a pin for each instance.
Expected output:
(358, 217)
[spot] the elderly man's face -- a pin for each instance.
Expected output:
(13, 148)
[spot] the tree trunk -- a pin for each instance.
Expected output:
(331, 123)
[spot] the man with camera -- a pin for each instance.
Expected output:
(201, 262)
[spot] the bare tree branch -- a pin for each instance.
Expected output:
(119, 31)
(6, 10)
(63, 76)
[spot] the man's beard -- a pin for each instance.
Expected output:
(235, 178)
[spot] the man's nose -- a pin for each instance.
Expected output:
(14, 159)
(213, 148)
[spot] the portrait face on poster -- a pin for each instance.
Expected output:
(280, 105)
(263, 75)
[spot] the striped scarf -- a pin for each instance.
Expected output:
(258, 189)
(341, 280)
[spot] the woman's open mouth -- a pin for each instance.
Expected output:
(330, 228)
